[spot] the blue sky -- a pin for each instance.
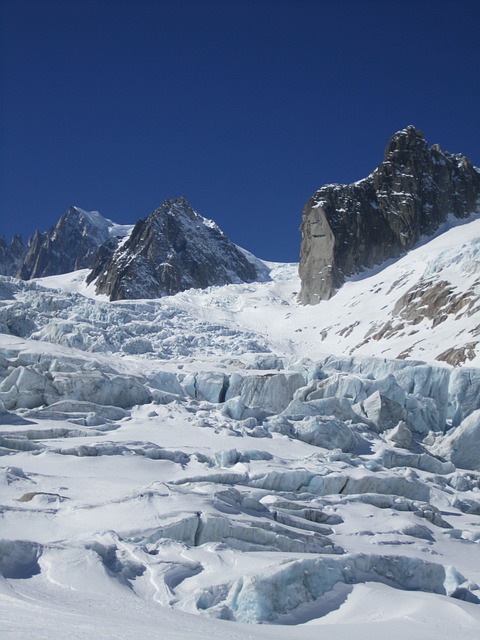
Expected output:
(246, 107)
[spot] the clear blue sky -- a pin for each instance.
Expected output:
(246, 107)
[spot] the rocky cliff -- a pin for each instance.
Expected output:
(171, 250)
(70, 245)
(346, 228)
(11, 255)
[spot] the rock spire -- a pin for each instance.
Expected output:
(346, 228)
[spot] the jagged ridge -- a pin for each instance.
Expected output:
(70, 245)
(11, 255)
(346, 228)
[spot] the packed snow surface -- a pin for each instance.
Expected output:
(195, 465)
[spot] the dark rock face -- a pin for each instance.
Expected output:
(171, 250)
(70, 245)
(346, 228)
(102, 257)
(11, 255)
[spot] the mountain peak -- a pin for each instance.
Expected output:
(179, 201)
(67, 246)
(408, 139)
(77, 216)
(182, 209)
(346, 228)
(171, 250)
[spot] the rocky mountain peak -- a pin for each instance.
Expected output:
(92, 221)
(346, 228)
(178, 213)
(69, 245)
(171, 250)
(408, 140)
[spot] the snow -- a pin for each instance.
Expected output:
(105, 224)
(195, 465)
(73, 283)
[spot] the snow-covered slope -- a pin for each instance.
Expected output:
(424, 305)
(191, 465)
(104, 226)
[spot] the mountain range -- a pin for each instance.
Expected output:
(199, 443)
(171, 250)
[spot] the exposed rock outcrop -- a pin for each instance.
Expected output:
(171, 250)
(347, 228)
(70, 245)
(11, 255)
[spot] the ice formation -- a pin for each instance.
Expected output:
(206, 454)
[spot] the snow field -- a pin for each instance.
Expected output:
(192, 465)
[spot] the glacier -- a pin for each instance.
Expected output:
(225, 462)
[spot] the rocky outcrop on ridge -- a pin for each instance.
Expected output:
(171, 250)
(346, 228)
(11, 255)
(70, 245)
